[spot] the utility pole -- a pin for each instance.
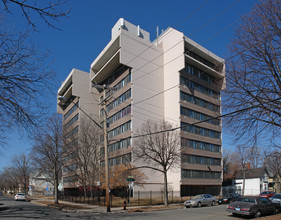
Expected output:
(103, 102)
(106, 155)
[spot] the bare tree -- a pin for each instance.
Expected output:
(9, 179)
(25, 73)
(158, 148)
(25, 76)
(87, 159)
(241, 158)
(273, 164)
(48, 11)
(254, 73)
(230, 166)
(22, 168)
(256, 156)
(48, 152)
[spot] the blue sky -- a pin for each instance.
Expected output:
(87, 30)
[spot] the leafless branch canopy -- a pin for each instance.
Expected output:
(47, 151)
(159, 151)
(48, 11)
(25, 78)
(254, 73)
(86, 163)
(21, 169)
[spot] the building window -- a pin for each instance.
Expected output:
(200, 145)
(199, 174)
(119, 100)
(114, 75)
(121, 84)
(71, 111)
(72, 121)
(200, 102)
(199, 73)
(125, 111)
(194, 159)
(124, 159)
(199, 88)
(200, 59)
(119, 130)
(119, 145)
(199, 116)
(71, 133)
(200, 131)
(70, 168)
(70, 179)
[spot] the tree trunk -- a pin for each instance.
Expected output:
(56, 190)
(24, 184)
(85, 190)
(244, 177)
(277, 184)
(92, 189)
(165, 188)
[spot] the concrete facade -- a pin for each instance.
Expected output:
(171, 78)
(78, 102)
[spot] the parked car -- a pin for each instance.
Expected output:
(1, 193)
(267, 194)
(20, 196)
(252, 206)
(201, 199)
(276, 199)
(230, 198)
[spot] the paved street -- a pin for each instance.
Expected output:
(216, 212)
(17, 210)
(10, 209)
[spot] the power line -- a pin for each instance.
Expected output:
(225, 10)
(192, 13)
(162, 36)
(179, 41)
(176, 58)
(169, 31)
(221, 116)
(168, 49)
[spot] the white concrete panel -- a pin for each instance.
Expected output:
(146, 61)
(252, 186)
(172, 43)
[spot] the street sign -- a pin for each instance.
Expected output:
(130, 179)
(131, 185)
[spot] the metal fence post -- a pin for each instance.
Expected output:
(162, 195)
(150, 197)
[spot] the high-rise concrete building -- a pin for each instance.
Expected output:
(77, 101)
(171, 78)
